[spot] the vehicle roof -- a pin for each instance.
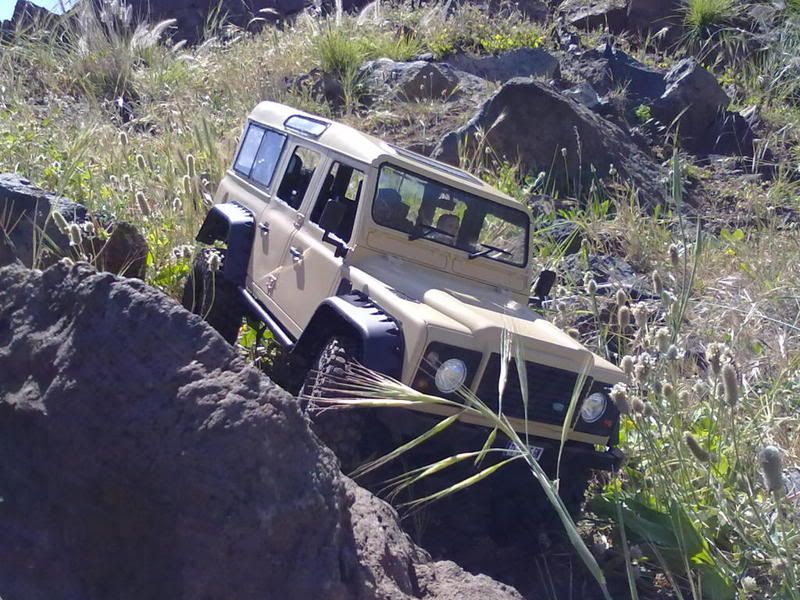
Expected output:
(372, 150)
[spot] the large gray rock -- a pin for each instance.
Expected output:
(142, 458)
(529, 122)
(522, 62)
(593, 14)
(693, 104)
(26, 217)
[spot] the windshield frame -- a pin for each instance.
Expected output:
(460, 190)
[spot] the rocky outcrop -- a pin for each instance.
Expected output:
(593, 14)
(26, 216)
(418, 80)
(651, 16)
(522, 62)
(25, 15)
(142, 458)
(529, 122)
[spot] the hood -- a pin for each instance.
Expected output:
(481, 312)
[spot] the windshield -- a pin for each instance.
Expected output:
(426, 209)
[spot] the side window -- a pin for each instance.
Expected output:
(342, 184)
(267, 158)
(297, 177)
(247, 153)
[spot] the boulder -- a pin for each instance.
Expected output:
(418, 80)
(522, 62)
(595, 14)
(143, 458)
(650, 16)
(26, 217)
(535, 10)
(693, 104)
(586, 95)
(529, 122)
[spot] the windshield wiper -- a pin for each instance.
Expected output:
(423, 231)
(488, 250)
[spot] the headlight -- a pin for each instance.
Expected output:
(450, 375)
(593, 407)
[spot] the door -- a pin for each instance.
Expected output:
(311, 271)
(278, 223)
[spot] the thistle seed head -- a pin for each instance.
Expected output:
(730, 384)
(771, 463)
(673, 353)
(574, 333)
(749, 585)
(640, 314)
(61, 223)
(667, 389)
(695, 448)
(662, 339)
(143, 204)
(619, 396)
(649, 410)
(683, 397)
(74, 233)
(214, 261)
(89, 230)
(627, 365)
(637, 405)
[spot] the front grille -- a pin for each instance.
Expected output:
(549, 391)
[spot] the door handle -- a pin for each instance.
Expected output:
(297, 254)
(264, 227)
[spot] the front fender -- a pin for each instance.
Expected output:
(378, 334)
(235, 225)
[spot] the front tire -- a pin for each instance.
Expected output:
(207, 293)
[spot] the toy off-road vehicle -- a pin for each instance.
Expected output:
(348, 248)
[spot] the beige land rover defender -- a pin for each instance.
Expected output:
(347, 247)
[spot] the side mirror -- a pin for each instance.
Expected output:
(330, 220)
(543, 286)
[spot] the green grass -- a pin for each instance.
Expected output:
(702, 15)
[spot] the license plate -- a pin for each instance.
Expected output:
(536, 451)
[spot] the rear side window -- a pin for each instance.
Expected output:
(259, 154)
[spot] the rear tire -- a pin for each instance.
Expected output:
(210, 295)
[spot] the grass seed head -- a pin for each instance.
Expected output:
(749, 585)
(187, 185)
(695, 448)
(730, 384)
(123, 138)
(714, 352)
(658, 283)
(771, 463)
(674, 255)
(74, 232)
(143, 204)
(177, 204)
(589, 283)
(61, 223)
(640, 314)
(140, 162)
(190, 166)
(621, 297)
(623, 317)
(89, 230)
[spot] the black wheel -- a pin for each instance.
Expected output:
(208, 294)
(354, 434)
